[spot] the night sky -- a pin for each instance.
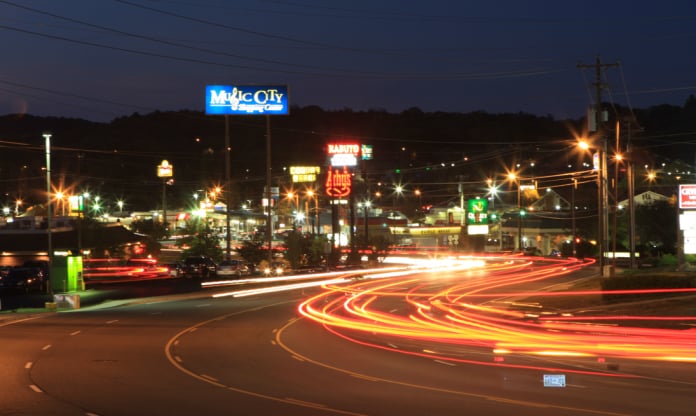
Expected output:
(102, 59)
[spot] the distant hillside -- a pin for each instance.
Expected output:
(120, 158)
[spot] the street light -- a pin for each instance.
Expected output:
(60, 200)
(492, 191)
(47, 137)
(398, 190)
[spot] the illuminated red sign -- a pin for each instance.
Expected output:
(343, 149)
(687, 196)
(338, 183)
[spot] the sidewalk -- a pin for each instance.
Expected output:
(13, 307)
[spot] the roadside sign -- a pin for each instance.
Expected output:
(554, 380)
(687, 196)
(246, 100)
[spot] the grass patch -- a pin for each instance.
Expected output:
(665, 304)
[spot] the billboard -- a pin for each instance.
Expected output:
(246, 100)
(304, 173)
(338, 183)
(343, 154)
(687, 196)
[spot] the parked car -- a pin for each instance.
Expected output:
(198, 266)
(24, 280)
(4, 270)
(237, 268)
(43, 265)
(175, 269)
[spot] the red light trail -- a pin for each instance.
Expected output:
(466, 302)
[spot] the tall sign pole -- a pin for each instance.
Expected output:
(164, 171)
(228, 189)
(248, 100)
(269, 212)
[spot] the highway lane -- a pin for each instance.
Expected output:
(255, 355)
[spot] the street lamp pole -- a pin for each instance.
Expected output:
(47, 137)
(603, 203)
(519, 217)
(600, 164)
(512, 176)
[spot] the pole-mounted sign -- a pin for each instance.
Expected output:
(246, 100)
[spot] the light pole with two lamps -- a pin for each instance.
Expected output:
(47, 137)
(600, 165)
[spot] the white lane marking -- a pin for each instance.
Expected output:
(46, 347)
(75, 333)
(28, 365)
(35, 388)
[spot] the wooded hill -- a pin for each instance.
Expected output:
(119, 159)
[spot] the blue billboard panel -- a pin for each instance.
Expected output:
(247, 100)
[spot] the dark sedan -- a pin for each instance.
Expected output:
(24, 280)
(198, 266)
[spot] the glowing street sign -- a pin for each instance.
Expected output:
(304, 173)
(477, 212)
(76, 203)
(366, 152)
(246, 99)
(165, 170)
(343, 154)
(344, 160)
(343, 148)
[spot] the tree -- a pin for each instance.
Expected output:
(253, 251)
(656, 227)
(154, 231)
(296, 248)
(199, 240)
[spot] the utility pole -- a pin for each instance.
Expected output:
(597, 124)
(228, 190)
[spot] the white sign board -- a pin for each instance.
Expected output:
(554, 380)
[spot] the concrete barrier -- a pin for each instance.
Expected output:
(71, 301)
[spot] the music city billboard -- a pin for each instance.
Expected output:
(246, 100)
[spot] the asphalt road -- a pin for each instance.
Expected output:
(193, 354)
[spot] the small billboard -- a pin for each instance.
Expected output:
(246, 100)
(304, 173)
(687, 196)
(477, 212)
